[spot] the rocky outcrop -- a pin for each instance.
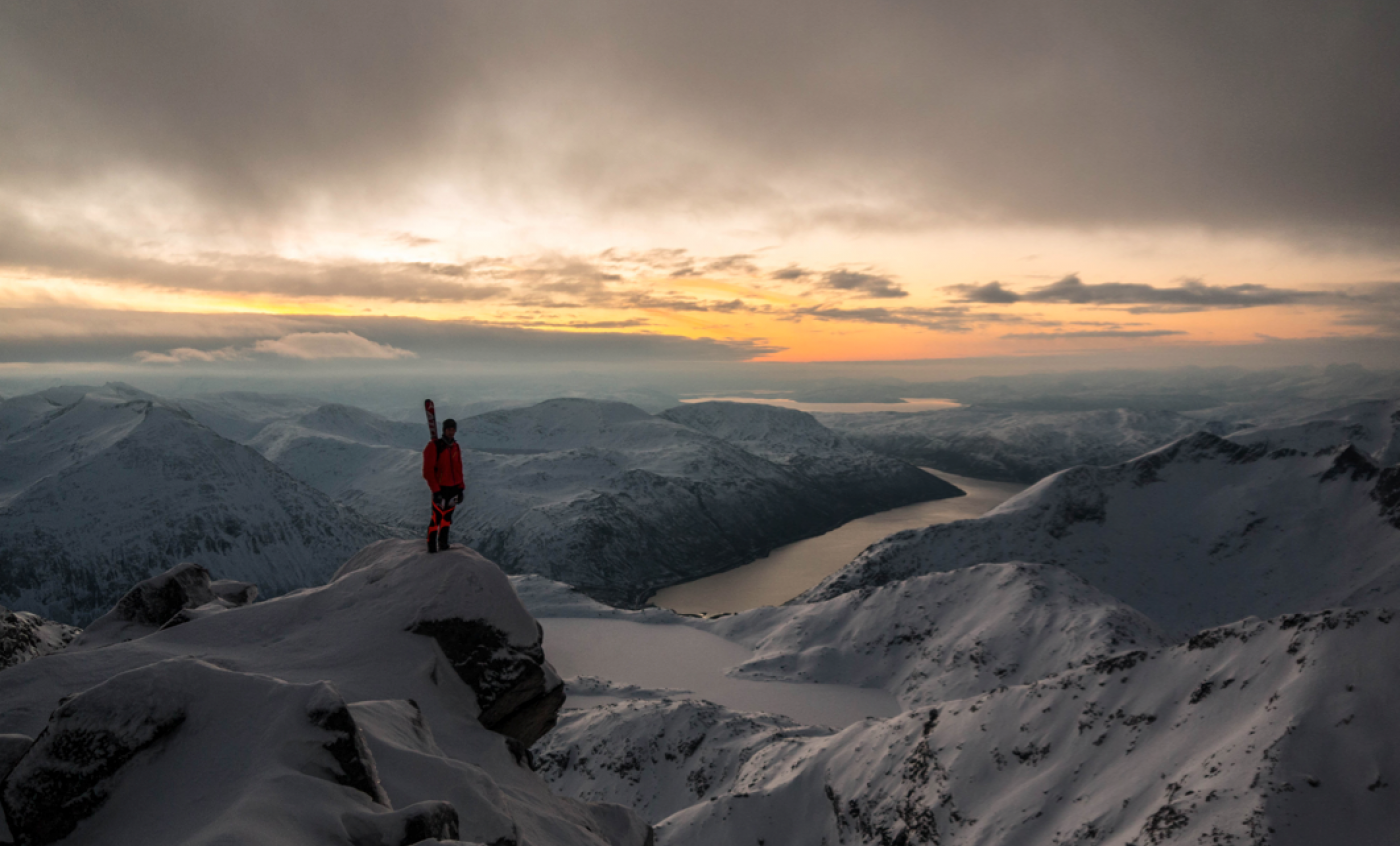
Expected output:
(519, 694)
(25, 636)
(183, 593)
(268, 724)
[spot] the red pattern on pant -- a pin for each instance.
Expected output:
(442, 518)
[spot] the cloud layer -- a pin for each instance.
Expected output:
(1190, 295)
(873, 115)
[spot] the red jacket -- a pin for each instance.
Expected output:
(442, 464)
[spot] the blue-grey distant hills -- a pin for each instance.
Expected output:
(1016, 445)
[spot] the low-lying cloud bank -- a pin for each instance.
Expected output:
(100, 335)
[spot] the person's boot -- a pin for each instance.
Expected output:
(432, 541)
(442, 539)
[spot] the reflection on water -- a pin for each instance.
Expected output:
(841, 407)
(791, 569)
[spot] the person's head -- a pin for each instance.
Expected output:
(449, 428)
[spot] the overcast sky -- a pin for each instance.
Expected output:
(184, 184)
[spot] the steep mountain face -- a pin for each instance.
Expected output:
(1253, 733)
(1198, 533)
(393, 705)
(942, 636)
(1016, 446)
(603, 495)
(117, 485)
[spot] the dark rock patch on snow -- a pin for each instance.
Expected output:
(517, 698)
(25, 636)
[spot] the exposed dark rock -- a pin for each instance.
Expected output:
(65, 776)
(347, 747)
(12, 748)
(431, 821)
(25, 636)
(150, 604)
(1351, 464)
(517, 695)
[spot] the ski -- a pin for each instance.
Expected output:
(432, 417)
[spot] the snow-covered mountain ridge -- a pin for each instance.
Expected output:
(944, 635)
(105, 487)
(1017, 446)
(1194, 534)
(393, 705)
(1260, 732)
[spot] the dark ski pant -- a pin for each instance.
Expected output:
(444, 503)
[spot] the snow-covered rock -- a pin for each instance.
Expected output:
(1198, 533)
(264, 723)
(111, 487)
(113, 754)
(941, 636)
(1016, 446)
(25, 636)
(1260, 732)
(177, 596)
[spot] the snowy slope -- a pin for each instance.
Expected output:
(338, 422)
(356, 712)
(118, 485)
(1018, 446)
(1198, 533)
(1275, 732)
(1372, 426)
(240, 415)
(941, 636)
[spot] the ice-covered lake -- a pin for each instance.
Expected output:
(789, 570)
(659, 657)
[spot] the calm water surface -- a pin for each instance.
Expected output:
(791, 569)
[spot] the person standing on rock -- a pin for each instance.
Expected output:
(442, 468)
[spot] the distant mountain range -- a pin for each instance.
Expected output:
(103, 487)
(1017, 446)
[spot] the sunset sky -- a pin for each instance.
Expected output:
(188, 184)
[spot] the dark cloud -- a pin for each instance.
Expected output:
(1249, 115)
(992, 292)
(1191, 295)
(97, 335)
(1094, 333)
(790, 273)
(864, 284)
(940, 319)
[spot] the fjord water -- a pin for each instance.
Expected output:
(789, 570)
